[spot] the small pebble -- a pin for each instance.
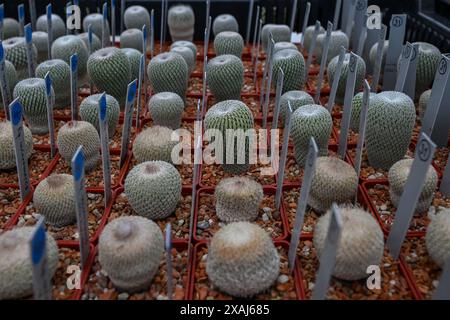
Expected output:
(211, 222)
(383, 207)
(28, 216)
(435, 283)
(123, 296)
(203, 225)
(265, 217)
(283, 279)
(431, 212)
(161, 297)
(180, 222)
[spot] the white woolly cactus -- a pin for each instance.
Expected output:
(423, 102)
(54, 199)
(338, 39)
(438, 238)
(373, 55)
(188, 56)
(183, 43)
(284, 45)
(166, 109)
(96, 22)
(16, 52)
(76, 133)
(398, 175)
(40, 40)
(96, 43)
(356, 110)
(11, 78)
(58, 25)
(242, 260)
(131, 38)
(280, 33)
(64, 47)
(293, 65)
(427, 65)
(296, 98)
(134, 57)
(181, 21)
(11, 28)
(361, 244)
(16, 278)
(130, 250)
(60, 75)
(225, 22)
(7, 154)
(238, 199)
(309, 32)
(229, 42)
(89, 112)
(136, 17)
(334, 180)
(154, 143)
(153, 189)
(225, 77)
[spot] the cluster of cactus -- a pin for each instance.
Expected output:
(225, 77)
(309, 33)
(110, 71)
(238, 199)
(96, 22)
(423, 102)
(40, 40)
(338, 39)
(188, 56)
(438, 238)
(242, 260)
(153, 189)
(398, 175)
(54, 199)
(16, 278)
(58, 25)
(284, 45)
(390, 123)
(168, 72)
(16, 53)
(134, 58)
(427, 65)
(89, 109)
(280, 33)
(231, 115)
(356, 250)
(131, 38)
(181, 21)
(60, 75)
(11, 28)
(76, 133)
(96, 43)
(334, 180)
(11, 78)
(296, 98)
(229, 42)
(360, 75)
(64, 47)
(356, 110)
(291, 61)
(154, 143)
(32, 94)
(7, 154)
(136, 17)
(130, 250)
(225, 22)
(183, 43)
(311, 120)
(166, 109)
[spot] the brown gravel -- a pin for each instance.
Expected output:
(352, 137)
(9, 204)
(213, 173)
(441, 157)
(67, 257)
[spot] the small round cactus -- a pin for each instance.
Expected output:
(373, 55)
(89, 112)
(338, 39)
(16, 53)
(64, 47)
(308, 121)
(356, 110)
(110, 71)
(11, 28)
(390, 123)
(361, 244)
(188, 44)
(360, 75)
(7, 154)
(229, 42)
(130, 250)
(96, 22)
(293, 65)
(54, 199)
(11, 78)
(58, 25)
(16, 278)
(438, 238)
(398, 175)
(242, 260)
(166, 109)
(334, 180)
(427, 64)
(32, 95)
(134, 57)
(168, 72)
(225, 22)
(283, 45)
(96, 43)
(309, 33)
(187, 55)
(423, 102)
(238, 199)
(225, 77)
(131, 38)
(280, 33)
(40, 40)
(296, 98)
(154, 143)
(153, 189)
(181, 21)
(76, 133)
(60, 75)
(136, 17)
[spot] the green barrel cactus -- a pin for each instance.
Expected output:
(296, 98)
(293, 65)
(130, 250)
(225, 22)
(7, 153)
(429, 57)
(438, 238)
(154, 143)
(60, 75)
(187, 55)
(356, 110)
(390, 123)
(16, 53)
(166, 109)
(311, 120)
(229, 42)
(11, 28)
(338, 39)
(423, 102)
(96, 43)
(182, 43)
(11, 78)
(58, 25)
(134, 57)
(153, 189)
(64, 47)
(284, 45)
(40, 40)
(89, 112)
(309, 33)
(96, 22)
(225, 77)
(181, 21)
(280, 33)
(136, 17)
(131, 38)
(242, 260)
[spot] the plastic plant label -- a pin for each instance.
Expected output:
(42, 289)
(345, 13)
(204, 86)
(360, 12)
(105, 35)
(405, 210)
(50, 103)
(48, 11)
(323, 61)
(32, 5)
(265, 109)
(372, 36)
(29, 43)
(113, 21)
(442, 123)
(435, 113)
(208, 9)
(443, 290)
(81, 206)
(91, 85)
(73, 86)
(279, 92)
(362, 37)
(249, 20)
(337, 10)
(305, 22)
(144, 38)
(293, 15)
(396, 36)
(337, 76)
(362, 127)
(310, 168)
(350, 19)
(255, 33)
(104, 138)
(445, 182)
(152, 32)
(195, 174)
(144, 51)
(3, 82)
(328, 257)
(122, 14)
(349, 93)
(284, 150)
(161, 35)
(378, 59)
(312, 48)
(128, 119)
(16, 112)
(2, 18)
(410, 85)
(139, 94)
(403, 63)
(168, 248)
(21, 16)
(255, 64)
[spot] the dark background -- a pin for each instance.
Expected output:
(428, 20)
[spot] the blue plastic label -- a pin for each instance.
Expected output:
(21, 8)
(90, 33)
(49, 11)
(16, 112)
(78, 163)
(74, 62)
(102, 105)
(48, 84)
(28, 33)
(2, 52)
(144, 33)
(113, 3)
(168, 239)
(131, 91)
(38, 243)
(105, 11)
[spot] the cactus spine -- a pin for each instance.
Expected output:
(58, 25)
(64, 47)
(225, 77)
(438, 238)
(187, 55)
(7, 154)
(60, 75)
(229, 42)
(89, 112)
(136, 17)
(134, 58)
(131, 38)
(181, 21)
(296, 98)
(154, 143)
(293, 65)
(225, 22)
(16, 53)
(338, 39)
(166, 109)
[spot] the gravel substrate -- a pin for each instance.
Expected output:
(213, 173)
(441, 157)
(9, 204)
(67, 257)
